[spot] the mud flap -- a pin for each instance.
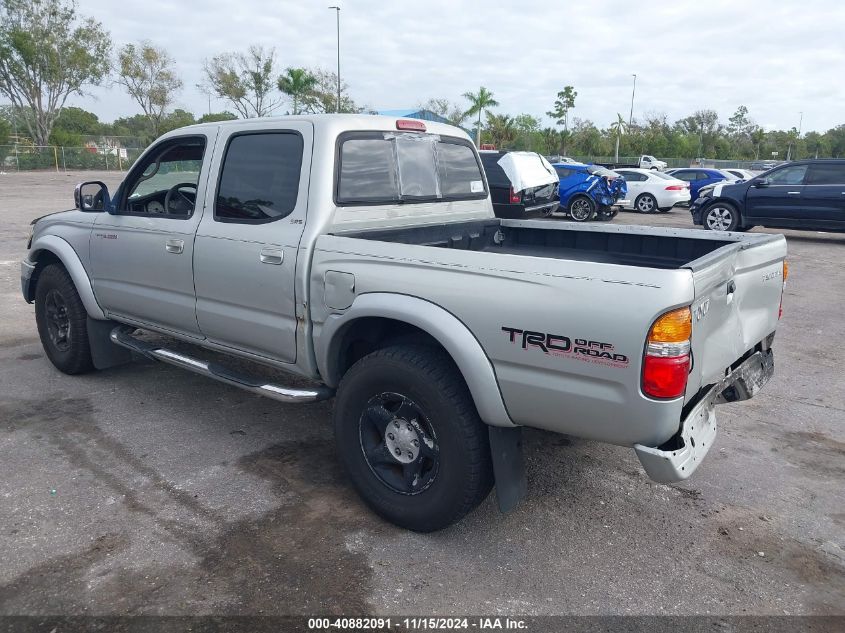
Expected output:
(508, 466)
(104, 353)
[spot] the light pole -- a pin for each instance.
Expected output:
(337, 11)
(797, 138)
(633, 92)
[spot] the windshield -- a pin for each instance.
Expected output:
(399, 167)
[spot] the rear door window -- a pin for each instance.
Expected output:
(820, 174)
(390, 167)
(259, 181)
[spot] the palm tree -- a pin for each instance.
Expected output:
(551, 140)
(480, 102)
(501, 128)
(619, 127)
(297, 83)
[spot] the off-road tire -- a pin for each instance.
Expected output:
(428, 377)
(55, 294)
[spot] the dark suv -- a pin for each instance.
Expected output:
(807, 194)
(508, 203)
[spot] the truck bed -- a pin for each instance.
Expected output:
(601, 243)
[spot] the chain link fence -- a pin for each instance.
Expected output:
(58, 158)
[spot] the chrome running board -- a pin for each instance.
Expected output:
(122, 335)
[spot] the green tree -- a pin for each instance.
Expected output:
(47, 53)
(297, 83)
(72, 125)
(446, 109)
(323, 98)
(758, 137)
(246, 80)
(214, 117)
(527, 128)
(618, 127)
(147, 72)
(560, 113)
(176, 119)
(479, 102)
(550, 139)
(501, 129)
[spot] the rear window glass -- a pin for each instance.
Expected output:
(496, 176)
(385, 167)
(563, 172)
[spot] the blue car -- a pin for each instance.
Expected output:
(697, 177)
(589, 191)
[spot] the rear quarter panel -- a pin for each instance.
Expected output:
(601, 307)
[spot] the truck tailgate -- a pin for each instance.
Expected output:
(738, 291)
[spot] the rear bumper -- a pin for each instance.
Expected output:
(678, 458)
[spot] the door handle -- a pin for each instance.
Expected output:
(793, 193)
(271, 256)
(174, 246)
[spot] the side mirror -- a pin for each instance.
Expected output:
(761, 183)
(91, 196)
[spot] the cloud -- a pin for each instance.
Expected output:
(778, 59)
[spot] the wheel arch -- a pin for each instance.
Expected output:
(378, 319)
(51, 249)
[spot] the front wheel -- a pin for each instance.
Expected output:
(62, 321)
(721, 216)
(410, 438)
(581, 209)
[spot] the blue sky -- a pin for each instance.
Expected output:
(778, 59)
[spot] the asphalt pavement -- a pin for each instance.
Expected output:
(145, 489)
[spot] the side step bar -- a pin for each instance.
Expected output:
(122, 335)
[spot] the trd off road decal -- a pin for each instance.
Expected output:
(578, 349)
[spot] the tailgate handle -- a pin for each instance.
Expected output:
(731, 290)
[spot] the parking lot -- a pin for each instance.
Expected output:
(145, 489)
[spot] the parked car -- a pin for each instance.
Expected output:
(590, 191)
(650, 191)
(741, 174)
(807, 194)
(763, 165)
(644, 162)
(362, 253)
(698, 177)
(563, 159)
(521, 183)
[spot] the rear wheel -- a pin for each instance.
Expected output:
(645, 203)
(411, 440)
(581, 209)
(62, 321)
(721, 216)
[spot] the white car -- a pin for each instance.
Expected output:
(742, 174)
(650, 190)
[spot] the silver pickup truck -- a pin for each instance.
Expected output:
(362, 253)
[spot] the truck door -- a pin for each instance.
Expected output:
(777, 200)
(141, 255)
(246, 245)
(823, 200)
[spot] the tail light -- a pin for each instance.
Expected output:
(677, 187)
(666, 362)
(516, 196)
(785, 275)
